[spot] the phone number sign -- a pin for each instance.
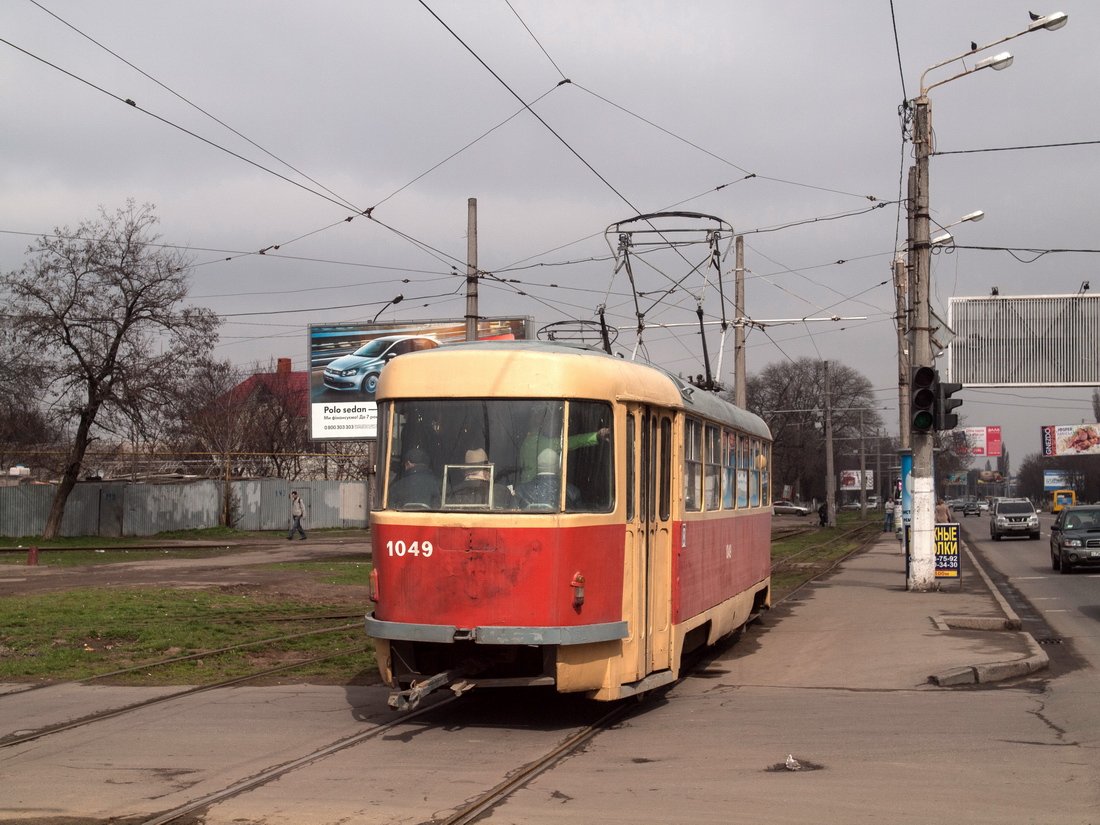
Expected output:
(947, 551)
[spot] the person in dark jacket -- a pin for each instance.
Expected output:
(418, 487)
(823, 513)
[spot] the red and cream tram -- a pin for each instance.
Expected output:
(552, 515)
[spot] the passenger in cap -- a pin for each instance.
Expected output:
(417, 488)
(477, 483)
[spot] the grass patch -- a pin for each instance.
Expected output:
(206, 535)
(77, 557)
(340, 571)
(798, 558)
(87, 632)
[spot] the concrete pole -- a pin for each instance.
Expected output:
(740, 396)
(830, 474)
(862, 470)
(471, 269)
(922, 566)
(901, 300)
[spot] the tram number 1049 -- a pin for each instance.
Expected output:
(422, 549)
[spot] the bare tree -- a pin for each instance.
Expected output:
(790, 397)
(102, 307)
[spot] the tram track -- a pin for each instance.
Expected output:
(111, 713)
(516, 777)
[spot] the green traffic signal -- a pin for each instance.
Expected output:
(922, 401)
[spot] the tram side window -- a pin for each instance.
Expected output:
(765, 483)
(712, 468)
(693, 464)
(729, 469)
(754, 473)
(590, 465)
(742, 471)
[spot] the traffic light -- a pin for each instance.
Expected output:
(922, 400)
(945, 419)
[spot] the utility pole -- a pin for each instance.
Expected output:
(862, 470)
(901, 302)
(740, 392)
(922, 559)
(471, 269)
(830, 474)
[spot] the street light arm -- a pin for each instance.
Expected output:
(1049, 22)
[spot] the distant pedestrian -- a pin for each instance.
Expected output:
(888, 516)
(823, 513)
(297, 513)
(943, 515)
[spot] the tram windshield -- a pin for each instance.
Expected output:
(500, 455)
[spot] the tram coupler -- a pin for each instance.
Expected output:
(406, 700)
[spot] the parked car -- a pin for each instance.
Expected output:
(1075, 538)
(972, 508)
(1013, 517)
(789, 508)
(359, 371)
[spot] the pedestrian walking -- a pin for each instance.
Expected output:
(297, 513)
(888, 516)
(943, 515)
(823, 514)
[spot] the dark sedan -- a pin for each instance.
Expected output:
(1075, 539)
(972, 508)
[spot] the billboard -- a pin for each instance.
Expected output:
(1071, 439)
(849, 480)
(1025, 341)
(1057, 480)
(983, 441)
(346, 361)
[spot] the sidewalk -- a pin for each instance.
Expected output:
(859, 628)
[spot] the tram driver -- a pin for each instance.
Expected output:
(418, 488)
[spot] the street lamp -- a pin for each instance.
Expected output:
(947, 237)
(386, 305)
(922, 560)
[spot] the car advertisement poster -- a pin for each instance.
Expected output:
(1071, 439)
(1057, 480)
(849, 480)
(346, 362)
(983, 441)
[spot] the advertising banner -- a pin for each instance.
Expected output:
(849, 480)
(1071, 439)
(947, 551)
(346, 361)
(1057, 480)
(983, 441)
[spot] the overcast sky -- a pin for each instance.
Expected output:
(780, 117)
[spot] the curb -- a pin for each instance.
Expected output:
(982, 674)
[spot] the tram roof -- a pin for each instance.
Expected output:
(539, 369)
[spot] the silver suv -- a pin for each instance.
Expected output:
(1013, 517)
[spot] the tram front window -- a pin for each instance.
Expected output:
(515, 455)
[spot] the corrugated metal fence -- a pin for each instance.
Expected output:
(121, 508)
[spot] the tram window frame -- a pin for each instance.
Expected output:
(381, 454)
(729, 469)
(765, 470)
(754, 472)
(693, 465)
(742, 471)
(712, 467)
(630, 470)
(665, 511)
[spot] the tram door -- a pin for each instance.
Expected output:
(650, 514)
